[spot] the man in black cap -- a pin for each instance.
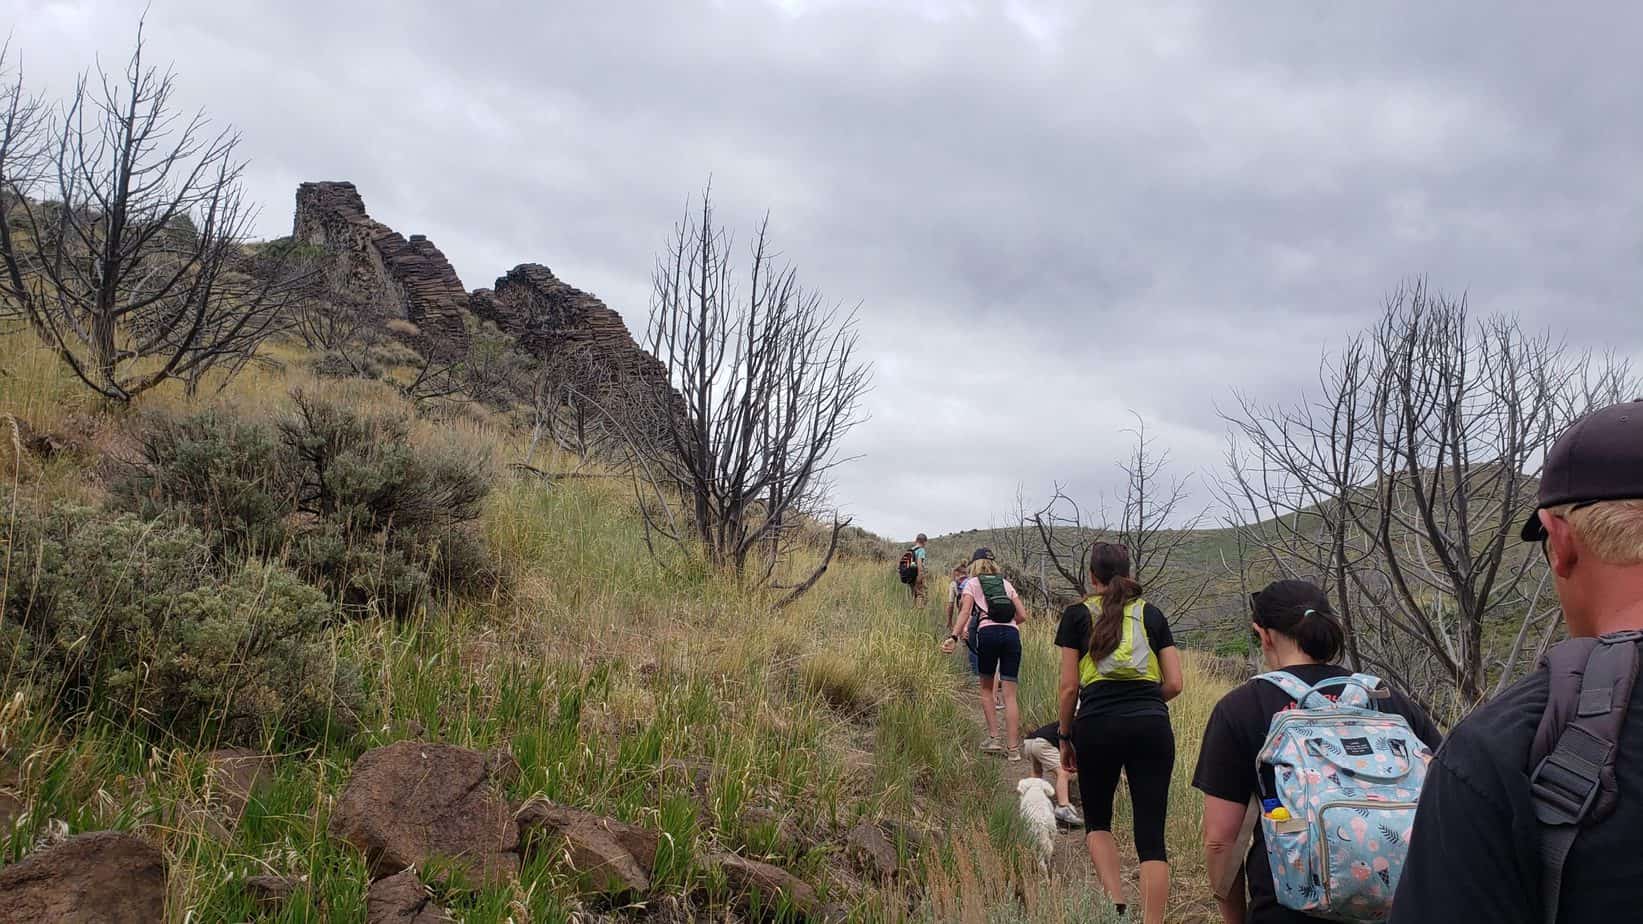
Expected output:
(1530, 818)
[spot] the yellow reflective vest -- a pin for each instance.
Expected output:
(1133, 659)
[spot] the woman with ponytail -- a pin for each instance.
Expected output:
(1298, 633)
(1119, 667)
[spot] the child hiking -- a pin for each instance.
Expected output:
(911, 568)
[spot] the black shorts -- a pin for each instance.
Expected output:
(998, 648)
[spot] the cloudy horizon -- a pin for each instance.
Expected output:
(1052, 215)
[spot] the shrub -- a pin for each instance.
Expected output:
(347, 499)
(251, 652)
(395, 516)
(126, 617)
(232, 479)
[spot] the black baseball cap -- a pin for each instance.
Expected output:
(1599, 458)
(981, 553)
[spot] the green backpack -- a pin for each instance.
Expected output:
(1000, 608)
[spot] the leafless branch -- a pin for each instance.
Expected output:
(1401, 485)
(124, 231)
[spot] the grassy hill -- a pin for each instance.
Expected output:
(598, 670)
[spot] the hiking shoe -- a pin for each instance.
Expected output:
(998, 705)
(992, 746)
(1013, 755)
(1069, 816)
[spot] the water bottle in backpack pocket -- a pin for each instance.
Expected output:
(1339, 785)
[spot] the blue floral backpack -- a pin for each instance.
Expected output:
(1339, 782)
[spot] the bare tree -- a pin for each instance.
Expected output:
(1066, 532)
(1152, 523)
(1402, 485)
(23, 142)
(122, 233)
(1022, 551)
(768, 383)
(577, 401)
(335, 321)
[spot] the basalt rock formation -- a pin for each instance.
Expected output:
(556, 321)
(404, 279)
(410, 279)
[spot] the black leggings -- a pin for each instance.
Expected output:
(1144, 748)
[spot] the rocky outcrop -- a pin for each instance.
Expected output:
(105, 877)
(582, 342)
(398, 278)
(412, 802)
(561, 323)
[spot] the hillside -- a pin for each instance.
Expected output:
(830, 742)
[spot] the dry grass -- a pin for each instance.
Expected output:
(594, 665)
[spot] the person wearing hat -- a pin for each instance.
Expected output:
(997, 645)
(1479, 851)
(1298, 634)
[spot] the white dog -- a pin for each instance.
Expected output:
(1038, 811)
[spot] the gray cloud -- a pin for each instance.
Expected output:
(1052, 213)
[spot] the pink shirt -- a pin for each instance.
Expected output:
(978, 601)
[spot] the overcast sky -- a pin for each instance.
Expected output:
(1051, 213)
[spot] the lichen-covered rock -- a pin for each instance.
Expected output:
(411, 802)
(105, 877)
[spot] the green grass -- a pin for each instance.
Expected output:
(596, 667)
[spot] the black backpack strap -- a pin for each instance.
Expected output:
(1572, 780)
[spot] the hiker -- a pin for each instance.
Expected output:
(1531, 811)
(954, 588)
(911, 568)
(1119, 667)
(997, 640)
(1299, 636)
(959, 575)
(1043, 749)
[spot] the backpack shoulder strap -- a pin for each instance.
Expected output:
(1296, 688)
(1572, 778)
(1358, 690)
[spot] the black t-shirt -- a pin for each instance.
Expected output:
(1475, 855)
(1226, 766)
(1050, 733)
(1116, 698)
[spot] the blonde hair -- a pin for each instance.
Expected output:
(983, 566)
(1612, 530)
